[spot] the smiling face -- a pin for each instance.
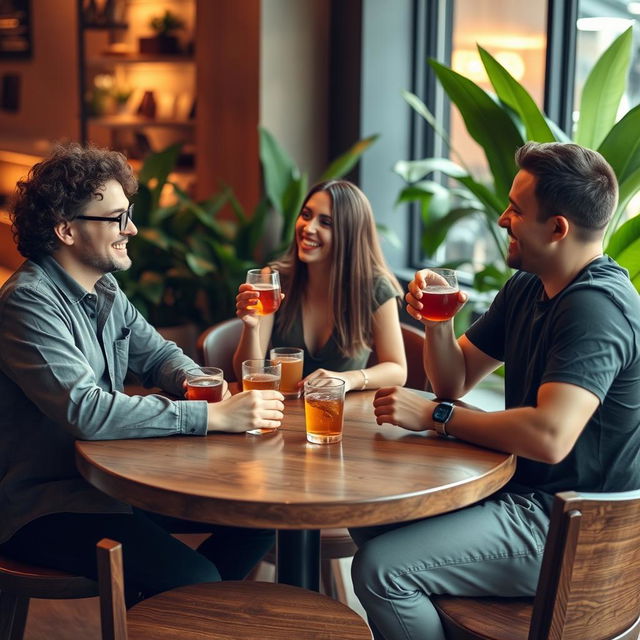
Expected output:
(529, 238)
(100, 247)
(314, 229)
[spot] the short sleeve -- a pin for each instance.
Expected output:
(382, 291)
(591, 342)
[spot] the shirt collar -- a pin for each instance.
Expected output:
(70, 288)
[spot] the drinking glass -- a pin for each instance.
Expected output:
(204, 383)
(291, 359)
(324, 409)
(267, 284)
(261, 375)
(440, 295)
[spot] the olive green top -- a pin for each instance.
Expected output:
(329, 355)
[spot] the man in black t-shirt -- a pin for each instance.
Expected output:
(567, 327)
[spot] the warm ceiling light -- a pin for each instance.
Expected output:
(468, 63)
(512, 62)
(603, 23)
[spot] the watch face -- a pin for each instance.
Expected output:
(442, 412)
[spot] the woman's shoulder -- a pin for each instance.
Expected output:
(383, 290)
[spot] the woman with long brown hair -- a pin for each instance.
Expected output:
(341, 299)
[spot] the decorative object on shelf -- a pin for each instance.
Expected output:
(164, 42)
(147, 107)
(99, 95)
(121, 94)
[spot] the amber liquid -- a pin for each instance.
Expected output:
(323, 419)
(291, 374)
(439, 303)
(261, 382)
(204, 389)
(269, 299)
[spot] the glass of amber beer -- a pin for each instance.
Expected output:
(261, 375)
(267, 285)
(324, 409)
(440, 295)
(204, 383)
(291, 359)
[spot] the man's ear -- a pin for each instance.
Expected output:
(65, 233)
(560, 228)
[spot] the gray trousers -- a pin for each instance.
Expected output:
(491, 548)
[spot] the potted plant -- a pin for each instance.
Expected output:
(187, 261)
(164, 41)
(501, 124)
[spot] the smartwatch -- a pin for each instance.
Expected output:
(441, 415)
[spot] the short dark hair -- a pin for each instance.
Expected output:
(59, 188)
(573, 181)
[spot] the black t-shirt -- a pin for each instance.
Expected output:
(587, 335)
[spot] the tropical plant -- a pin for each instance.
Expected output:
(189, 258)
(500, 124)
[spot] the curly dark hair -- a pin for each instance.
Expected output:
(59, 188)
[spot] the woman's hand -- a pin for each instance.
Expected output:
(246, 302)
(399, 406)
(325, 373)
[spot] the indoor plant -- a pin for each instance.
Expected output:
(164, 41)
(187, 260)
(504, 122)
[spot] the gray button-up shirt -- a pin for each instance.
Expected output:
(64, 353)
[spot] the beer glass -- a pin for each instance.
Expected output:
(291, 359)
(440, 295)
(261, 375)
(324, 409)
(204, 383)
(267, 284)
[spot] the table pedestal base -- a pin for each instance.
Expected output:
(298, 554)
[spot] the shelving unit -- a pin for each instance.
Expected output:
(109, 61)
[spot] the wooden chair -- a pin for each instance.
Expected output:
(19, 582)
(221, 610)
(589, 585)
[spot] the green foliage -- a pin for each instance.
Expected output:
(187, 259)
(502, 123)
(166, 23)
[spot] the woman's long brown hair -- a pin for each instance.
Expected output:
(356, 262)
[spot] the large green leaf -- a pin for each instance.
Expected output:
(621, 147)
(157, 166)
(436, 231)
(292, 203)
(487, 124)
(414, 170)
(602, 92)
(512, 93)
(344, 163)
(278, 169)
(624, 238)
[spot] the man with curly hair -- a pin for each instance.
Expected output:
(68, 337)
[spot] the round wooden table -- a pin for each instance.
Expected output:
(376, 475)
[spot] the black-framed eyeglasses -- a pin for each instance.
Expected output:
(122, 219)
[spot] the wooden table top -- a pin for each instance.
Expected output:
(377, 474)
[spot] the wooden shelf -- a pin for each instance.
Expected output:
(138, 58)
(137, 122)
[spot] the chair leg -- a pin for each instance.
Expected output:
(338, 581)
(13, 616)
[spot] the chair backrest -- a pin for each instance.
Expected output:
(589, 586)
(113, 614)
(413, 339)
(217, 344)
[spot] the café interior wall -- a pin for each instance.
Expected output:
(294, 79)
(48, 108)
